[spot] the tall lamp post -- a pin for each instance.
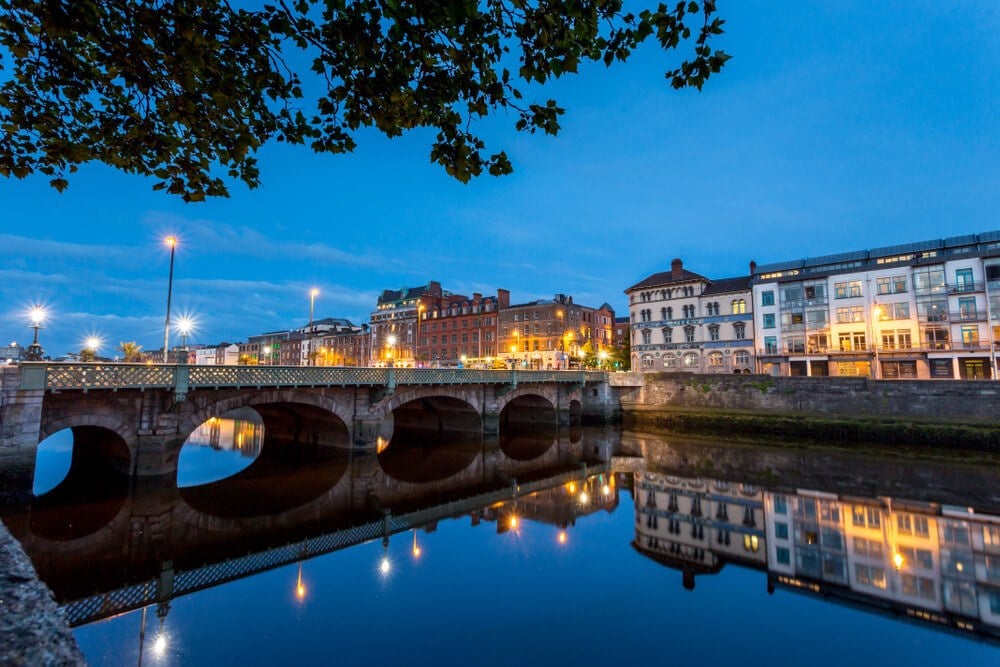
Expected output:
(34, 352)
(312, 305)
(171, 242)
(876, 314)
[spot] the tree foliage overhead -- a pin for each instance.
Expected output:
(187, 91)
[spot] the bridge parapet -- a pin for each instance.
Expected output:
(182, 378)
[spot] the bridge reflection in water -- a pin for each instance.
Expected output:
(912, 541)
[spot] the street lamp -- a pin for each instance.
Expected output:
(90, 347)
(37, 315)
(603, 356)
(312, 304)
(171, 242)
(391, 342)
(876, 314)
(267, 354)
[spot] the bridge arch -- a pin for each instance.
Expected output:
(471, 396)
(257, 400)
(100, 441)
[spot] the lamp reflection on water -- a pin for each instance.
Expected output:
(416, 547)
(300, 588)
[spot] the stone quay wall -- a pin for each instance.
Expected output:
(945, 401)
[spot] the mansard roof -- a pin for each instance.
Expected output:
(725, 285)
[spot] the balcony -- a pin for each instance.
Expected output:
(968, 316)
(967, 286)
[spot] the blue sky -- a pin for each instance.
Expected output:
(835, 127)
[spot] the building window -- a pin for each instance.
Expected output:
(781, 530)
(715, 359)
(771, 344)
(663, 313)
(936, 338)
(769, 320)
(739, 306)
(767, 298)
(713, 332)
(967, 308)
(970, 336)
(963, 280)
(668, 335)
(670, 313)
(847, 290)
(780, 504)
(689, 334)
(891, 285)
(742, 358)
(783, 556)
(647, 336)
(690, 359)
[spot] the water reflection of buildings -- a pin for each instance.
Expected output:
(922, 561)
(560, 506)
(229, 434)
(697, 525)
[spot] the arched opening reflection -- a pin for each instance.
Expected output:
(528, 427)
(433, 439)
(220, 448)
(80, 482)
(290, 455)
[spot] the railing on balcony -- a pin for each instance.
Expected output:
(968, 316)
(967, 286)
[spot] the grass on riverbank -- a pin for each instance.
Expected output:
(967, 443)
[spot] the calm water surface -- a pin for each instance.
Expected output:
(538, 548)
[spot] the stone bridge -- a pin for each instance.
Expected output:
(152, 409)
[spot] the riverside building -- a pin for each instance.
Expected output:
(921, 310)
(683, 321)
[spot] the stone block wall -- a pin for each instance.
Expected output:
(925, 400)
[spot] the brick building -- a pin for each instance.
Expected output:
(459, 330)
(554, 334)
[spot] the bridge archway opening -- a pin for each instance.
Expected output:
(528, 427)
(80, 482)
(292, 454)
(432, 439)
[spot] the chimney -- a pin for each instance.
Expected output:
(676, 269)
(753, 267)
(503, 299)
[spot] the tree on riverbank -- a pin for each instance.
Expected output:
(187, 91)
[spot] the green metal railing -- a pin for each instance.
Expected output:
(182, 378)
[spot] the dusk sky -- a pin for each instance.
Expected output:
(836, 126)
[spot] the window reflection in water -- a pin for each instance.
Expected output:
(926, 561)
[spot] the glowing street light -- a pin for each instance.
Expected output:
(185, 325)
(170, 242)
(37, 315)
(267, 354)
(391, 342)
(603, 355)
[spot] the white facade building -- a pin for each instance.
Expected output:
(922, 310)
(683, 321)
